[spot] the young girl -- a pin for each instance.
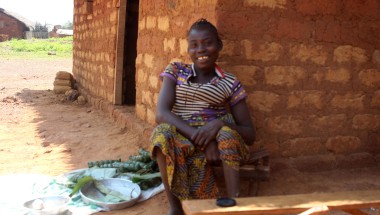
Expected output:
(202, 120)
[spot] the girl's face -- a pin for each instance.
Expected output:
(203, 49)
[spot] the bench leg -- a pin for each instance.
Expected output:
(253, 184)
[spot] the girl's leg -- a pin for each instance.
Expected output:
(175, 203)
(232, 151)
(232, 180)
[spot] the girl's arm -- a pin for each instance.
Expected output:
(244, 125)
(164, 114)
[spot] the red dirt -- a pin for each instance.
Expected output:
(58, 136)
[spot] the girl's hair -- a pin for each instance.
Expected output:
(202, 24)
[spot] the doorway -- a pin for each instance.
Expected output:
(130, 53)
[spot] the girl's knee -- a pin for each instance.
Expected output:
(227, 135)
(164, 127)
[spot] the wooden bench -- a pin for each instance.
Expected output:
(317, 203)
(255, 170)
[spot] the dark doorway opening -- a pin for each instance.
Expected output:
(130, 52)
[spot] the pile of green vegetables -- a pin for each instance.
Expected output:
(141, 169)
(140, 163)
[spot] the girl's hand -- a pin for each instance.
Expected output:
(212, 152)
(207, 133)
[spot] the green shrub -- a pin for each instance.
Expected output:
(60, 46)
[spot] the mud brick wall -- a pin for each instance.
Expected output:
(11, 27)
(95, 27)
(311, 69)
(313, 76)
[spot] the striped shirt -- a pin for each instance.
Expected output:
(200, 103)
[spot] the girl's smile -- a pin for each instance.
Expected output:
(203, 49)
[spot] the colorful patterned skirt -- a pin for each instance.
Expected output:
(190, 176)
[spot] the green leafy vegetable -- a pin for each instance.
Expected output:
(81, 182)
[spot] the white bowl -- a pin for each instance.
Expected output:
(47, 205)
(90, 194)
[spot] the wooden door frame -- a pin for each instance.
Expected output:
(119, 65)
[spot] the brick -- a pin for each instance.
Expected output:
(265, 3)
(61, 89)
(263, 101)
(155, 98)
(141, 76)
(63, 75)
(148, 60)
(151, 22)
(330, 123)
(302, 146)
(349, 101)
(113, 16)
(370, 77)
(366, 122)
(318, 76)
(151, 116)
(60, 82)
(348, 54)
(301, 29)
(98, 56)
(183, 47)
(245, 74)
(113, 30)
(376, 58)
(343, 144)
(107, 57)
(284, 75)
(285, 125)
(308, 53)
(262, 51)
(142, 23)
(139, 59)
(228, 48)
(109, 98)
(169, 44)
(305, 99)
(375, 101)
(163, 23)
(147, 98)
(340, 75)
(153, 82)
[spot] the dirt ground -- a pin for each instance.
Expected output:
(40, 133)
